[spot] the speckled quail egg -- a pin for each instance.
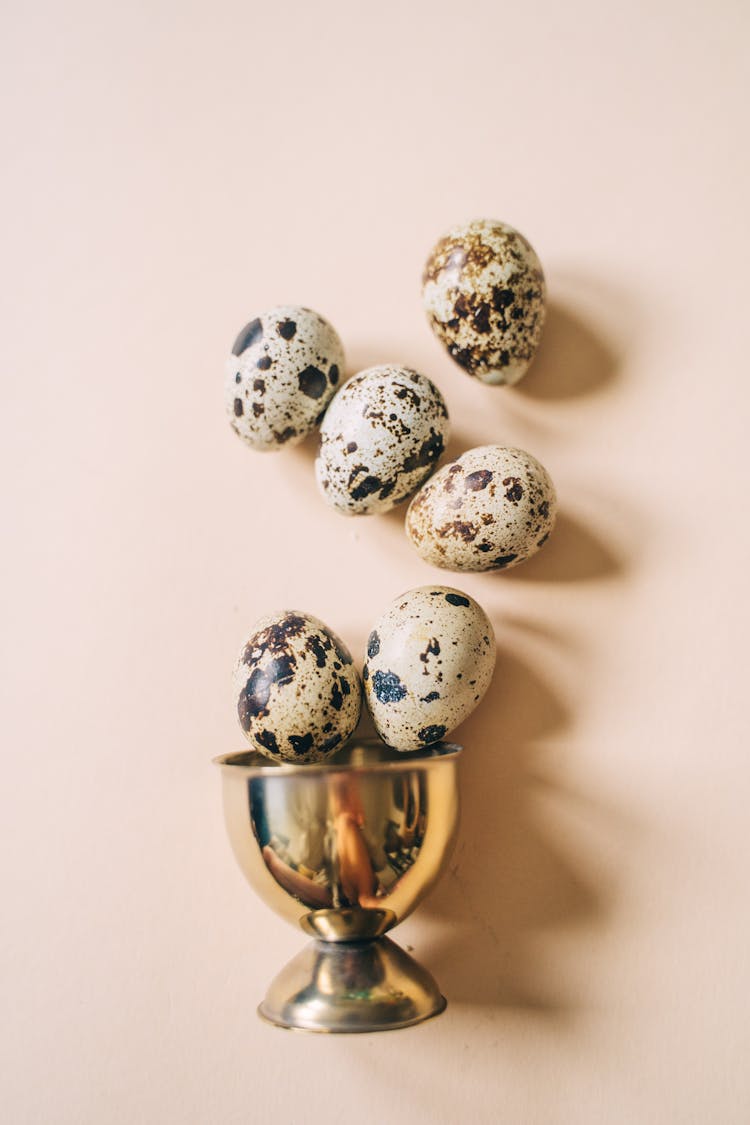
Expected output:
(381, 437)
(484, 293)
(283, 371)
(298, 694)
(430, 659)
(490, 509)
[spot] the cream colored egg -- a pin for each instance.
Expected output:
(490, 509)
(484, 294)
(430, 659)
(284, 369)
(297, 691)
(382, 436)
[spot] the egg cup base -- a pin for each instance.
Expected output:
(351, 986)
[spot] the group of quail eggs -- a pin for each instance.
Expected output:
(431, 654)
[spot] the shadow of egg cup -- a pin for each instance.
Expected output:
(517, 875)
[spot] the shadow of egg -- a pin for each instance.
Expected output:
(573, 553)
(573, 358)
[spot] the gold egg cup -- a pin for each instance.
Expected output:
(346, 849)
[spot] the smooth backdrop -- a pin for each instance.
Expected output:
(168, 169)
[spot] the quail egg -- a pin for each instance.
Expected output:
(490, 509)
(484, 294)
(283, 371)
(298, 694)
(430, 659)
(381, 437)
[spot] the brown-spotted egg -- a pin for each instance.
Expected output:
(284, 369)
(381, 437)
(298, 694)
(484, 294)
(430, 659)
(490, 509)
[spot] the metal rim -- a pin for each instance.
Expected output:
(253, 763)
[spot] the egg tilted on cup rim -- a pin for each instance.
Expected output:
(297, 692)
(430, 659)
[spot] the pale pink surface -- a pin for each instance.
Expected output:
(171, 169)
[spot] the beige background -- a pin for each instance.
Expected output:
(171, 168)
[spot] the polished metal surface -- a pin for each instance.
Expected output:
(352, 986)
(346, 849)
(370, 828)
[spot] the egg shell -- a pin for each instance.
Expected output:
(298, 694)
(490, 509)
(430, 659)
(484, 294)
(381, 437)
(283, 371)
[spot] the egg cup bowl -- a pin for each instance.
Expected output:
(346, 849)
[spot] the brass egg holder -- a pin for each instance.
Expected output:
(346, 849)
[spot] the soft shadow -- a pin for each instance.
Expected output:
(307, 449)
(459, 441)
(573, 553)
(572, 359)
(514, 879)
(361, 355)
